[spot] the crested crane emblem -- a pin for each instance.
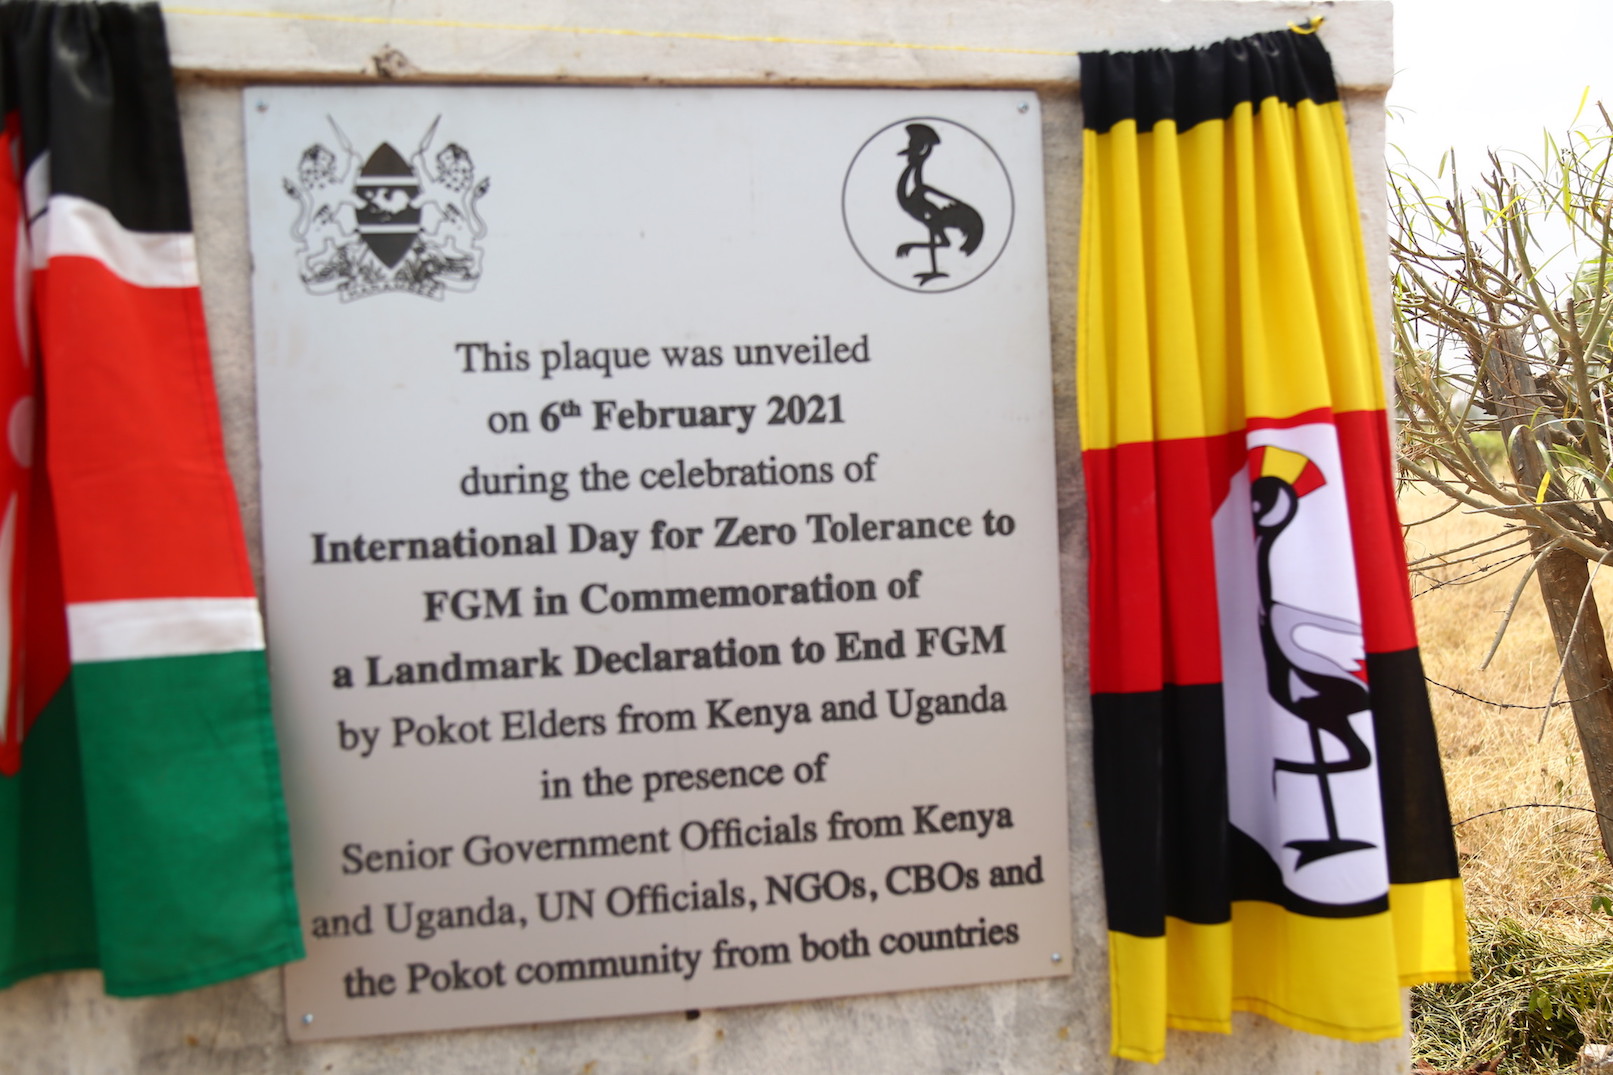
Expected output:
(952, 211)
(940, 213)
(1315, 663)
(390, 222)
(1301, 754)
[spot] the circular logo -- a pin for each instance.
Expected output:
(927, 204)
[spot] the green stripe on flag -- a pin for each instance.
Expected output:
(47, 916)
(187, 826)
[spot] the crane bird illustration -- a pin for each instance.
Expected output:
(1314, 662)
(936, 210)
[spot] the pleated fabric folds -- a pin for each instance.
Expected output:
(142, 826)
(1272, 814)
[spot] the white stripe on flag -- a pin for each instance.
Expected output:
(163, 627)
(75, 227)
(36, 185)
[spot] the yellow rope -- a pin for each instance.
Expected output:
(606, 31)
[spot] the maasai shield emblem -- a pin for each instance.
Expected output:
(388, 215)
(390, 224)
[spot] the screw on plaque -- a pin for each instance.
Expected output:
(1024, 107)
(308, 1017)
(1057, 958)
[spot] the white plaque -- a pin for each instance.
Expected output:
(659, 520)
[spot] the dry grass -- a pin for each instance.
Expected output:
(1535, 864)
(1539, 888)
(1536, 999)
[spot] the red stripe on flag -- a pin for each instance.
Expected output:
(45, 614)
(1192, 484)
(1123, 570)
(13, 478)
(1152, 585)
(1152, 581)
(145, 505)
(1387, 625)
(1303, 418)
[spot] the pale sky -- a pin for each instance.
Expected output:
(1478, 73)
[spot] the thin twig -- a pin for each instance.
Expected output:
(1529, 806)
(1517, 705)
(1512, 606)
(1439, 558)
(1459, 580)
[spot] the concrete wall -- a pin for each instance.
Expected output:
(63, 1023)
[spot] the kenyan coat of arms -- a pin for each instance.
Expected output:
(387, 223)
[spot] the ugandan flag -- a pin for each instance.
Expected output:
(142, 828)
(1272, 815)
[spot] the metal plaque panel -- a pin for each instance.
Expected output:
(660, 539)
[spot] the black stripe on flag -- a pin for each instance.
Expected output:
(1175, 853)
(1162, 806)
(1416, 813)
(96, 89)
(1160, 85)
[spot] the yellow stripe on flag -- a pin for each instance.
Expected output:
(1197, 975)
(1240, 234)
(1430, 925)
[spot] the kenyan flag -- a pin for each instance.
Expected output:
(142, 829)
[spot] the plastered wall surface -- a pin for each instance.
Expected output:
(62, 1024)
